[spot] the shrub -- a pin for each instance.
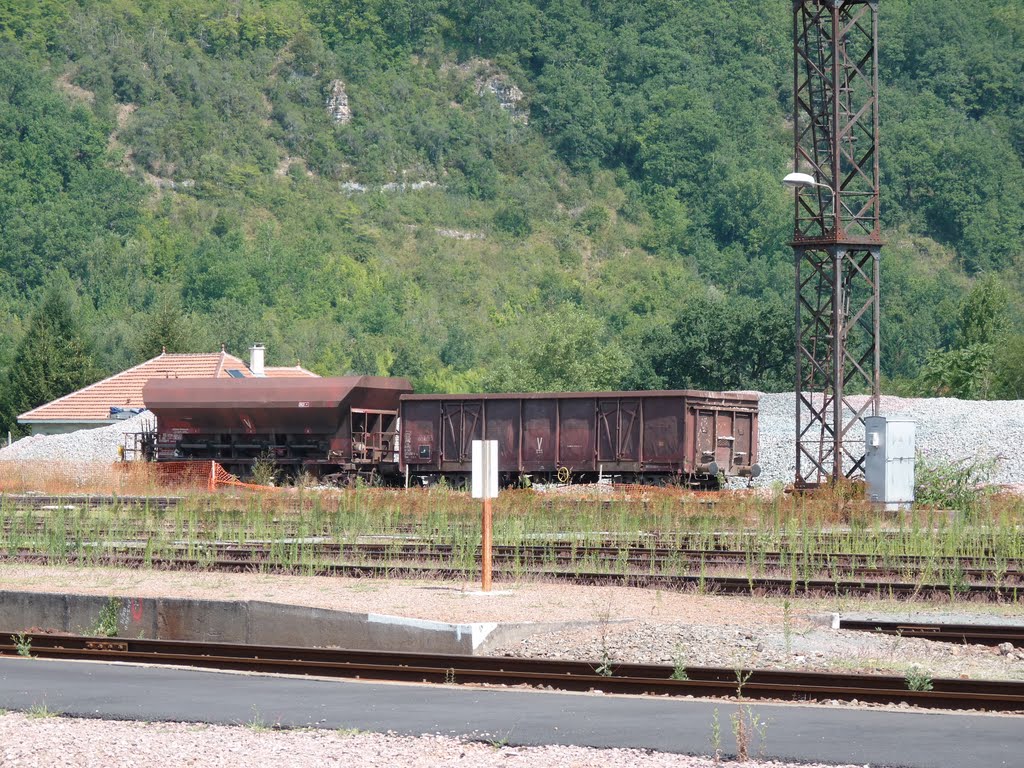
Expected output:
(955, 485)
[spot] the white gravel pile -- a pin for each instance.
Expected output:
(85, 446)
(947, 430)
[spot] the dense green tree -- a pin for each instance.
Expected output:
(52, 359)
(717, 342)
(568, 351)
(58, 197)
(983, 314)
(166, 327)
(968, 370)
(1008, 373)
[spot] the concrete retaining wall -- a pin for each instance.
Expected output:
(252, 621)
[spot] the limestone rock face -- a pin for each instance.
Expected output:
(508, 95)
(337, 103)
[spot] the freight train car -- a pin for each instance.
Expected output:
(683, 436)
(343, 428)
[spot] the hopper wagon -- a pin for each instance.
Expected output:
(340, 428)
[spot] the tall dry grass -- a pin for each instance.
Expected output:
(54, 478)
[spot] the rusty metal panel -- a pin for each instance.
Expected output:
(539, 434)
(725, 439)
(663, 430)
(461, 424)
(742, 431)
(502, 424)
(630, 423)
(421, 434)
(576, 433)
(607, 430)
(723, 431)
(618, 431)
(705, 438)
(263, 406)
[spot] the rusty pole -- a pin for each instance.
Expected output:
(485, 552)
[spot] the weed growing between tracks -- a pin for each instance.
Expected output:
(23, 643)
(641, 532)
(918, 679)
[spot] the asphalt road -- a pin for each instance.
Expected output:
(839, 735)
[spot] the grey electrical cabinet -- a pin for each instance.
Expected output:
(889, 460)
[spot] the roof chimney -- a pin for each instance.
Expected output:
(256, 360)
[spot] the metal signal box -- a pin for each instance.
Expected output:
(889, 461)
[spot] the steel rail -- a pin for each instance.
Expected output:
(635, 556)
(629, 554)
(1007, 578)
(976, 634)
(509, 671)
(716, 542)
(858, 563)
(31, 501)
(712, 583)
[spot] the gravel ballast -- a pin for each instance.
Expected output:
(947, 430)
(630, 624)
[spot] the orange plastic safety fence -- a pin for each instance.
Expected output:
(202, 474)
(222, 477)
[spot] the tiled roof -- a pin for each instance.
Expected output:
(125, 389)
(278, 372)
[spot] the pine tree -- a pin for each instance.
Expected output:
(52, 359)
(167, 327)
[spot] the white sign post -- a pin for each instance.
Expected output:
(485, 486)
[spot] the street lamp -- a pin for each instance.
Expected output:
(798, 181)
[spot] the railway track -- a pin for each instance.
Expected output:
(553, 674)
(705, 583)
(1009, 571)
(976, 634)
(641, 561)
(860, 565)
(32, 501)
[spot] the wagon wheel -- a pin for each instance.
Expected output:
(564, 473)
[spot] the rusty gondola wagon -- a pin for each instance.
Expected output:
(689, 437)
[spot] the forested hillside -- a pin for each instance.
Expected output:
(496, 194)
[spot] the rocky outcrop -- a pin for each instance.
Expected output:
(337, 103)
(509, 97)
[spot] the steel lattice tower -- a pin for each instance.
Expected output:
(836, 237)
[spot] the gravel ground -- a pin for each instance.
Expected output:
(805, 647)
(947, 430)
(632, 625)
(629, 624)
(57, 741)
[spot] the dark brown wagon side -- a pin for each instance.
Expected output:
(685, 436)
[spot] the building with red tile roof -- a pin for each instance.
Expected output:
(91, 406)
